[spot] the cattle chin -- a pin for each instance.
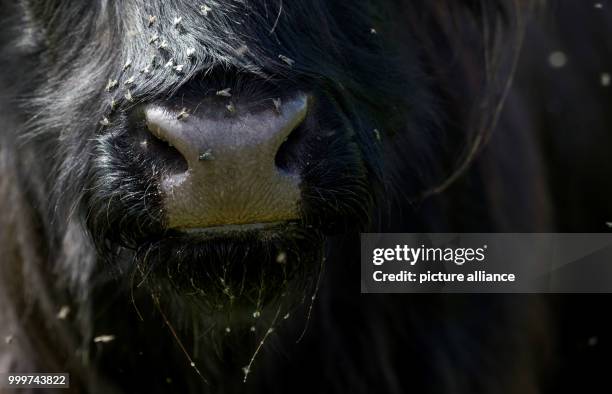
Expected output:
(230, 272)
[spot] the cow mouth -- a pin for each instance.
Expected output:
(232, 268)
(253, 245)
(256, 229)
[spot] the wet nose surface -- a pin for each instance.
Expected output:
(231, 175)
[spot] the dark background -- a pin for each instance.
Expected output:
(572, 108)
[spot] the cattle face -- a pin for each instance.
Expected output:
(202, 162)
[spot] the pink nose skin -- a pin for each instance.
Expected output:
(231, 176)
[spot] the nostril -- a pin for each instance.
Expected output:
(292, 151)
(169, 158)
(289, 153)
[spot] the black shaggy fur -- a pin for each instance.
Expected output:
(406, 94)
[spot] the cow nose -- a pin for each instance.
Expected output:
(231, 177)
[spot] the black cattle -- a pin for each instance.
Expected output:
(183, 184)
